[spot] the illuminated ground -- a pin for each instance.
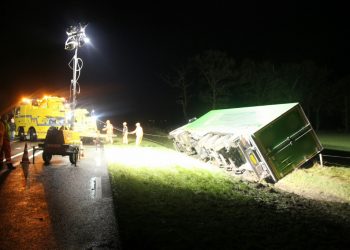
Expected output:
(165, 200)
(154, 158)
(328, 183)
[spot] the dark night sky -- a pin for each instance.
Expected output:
(133, 44)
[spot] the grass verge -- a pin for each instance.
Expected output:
(321, 183)
(335, 141)
(165, 200)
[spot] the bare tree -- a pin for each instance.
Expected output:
(259, 82)
(318, 92)
(306, 82)
(217, 71)
(180, 81)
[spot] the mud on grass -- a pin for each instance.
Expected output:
(194, 209)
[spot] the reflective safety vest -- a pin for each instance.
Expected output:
(2, 133)
(7, 132)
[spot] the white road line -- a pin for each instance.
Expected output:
(95, 188)
(30, 157)
(19, 154)
(14, 156)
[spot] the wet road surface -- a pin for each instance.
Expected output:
(59, 206)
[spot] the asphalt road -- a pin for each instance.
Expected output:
(58, 206)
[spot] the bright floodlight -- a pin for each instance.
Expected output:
(76, 37)
(87, 40)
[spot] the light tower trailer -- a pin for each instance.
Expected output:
(62, 142)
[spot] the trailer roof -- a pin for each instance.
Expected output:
(238, 120)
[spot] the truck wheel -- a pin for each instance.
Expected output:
(21, 134)
(73, 158)
(47, 158)
(32, 134)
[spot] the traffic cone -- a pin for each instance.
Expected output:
(25, 158)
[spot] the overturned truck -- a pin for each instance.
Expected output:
(270, 141)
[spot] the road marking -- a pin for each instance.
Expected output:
(14, 156)
(30, 157)
(95, 188)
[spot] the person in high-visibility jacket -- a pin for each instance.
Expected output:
(2, 134)
(109, 131)
(125, 133)
(12, 128)
(5, 145)
(139, 134)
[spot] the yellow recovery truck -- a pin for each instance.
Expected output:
(34, 117)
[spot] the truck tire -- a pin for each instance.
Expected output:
(21, 134)
(47, 158)
(32, 134)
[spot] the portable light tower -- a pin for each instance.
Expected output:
(76, 38)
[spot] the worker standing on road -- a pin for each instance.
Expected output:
(2, 134)
(12, 128)
(109, 131)
(125, 133)
(6, 146)
(139, 134)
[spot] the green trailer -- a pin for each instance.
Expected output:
(270, 141)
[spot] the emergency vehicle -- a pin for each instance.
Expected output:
(34, 117)
(85, 124)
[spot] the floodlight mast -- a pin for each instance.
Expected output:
(76, 38)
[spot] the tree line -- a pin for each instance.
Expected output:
(214, 80)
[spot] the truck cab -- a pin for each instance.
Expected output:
(33, 117)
